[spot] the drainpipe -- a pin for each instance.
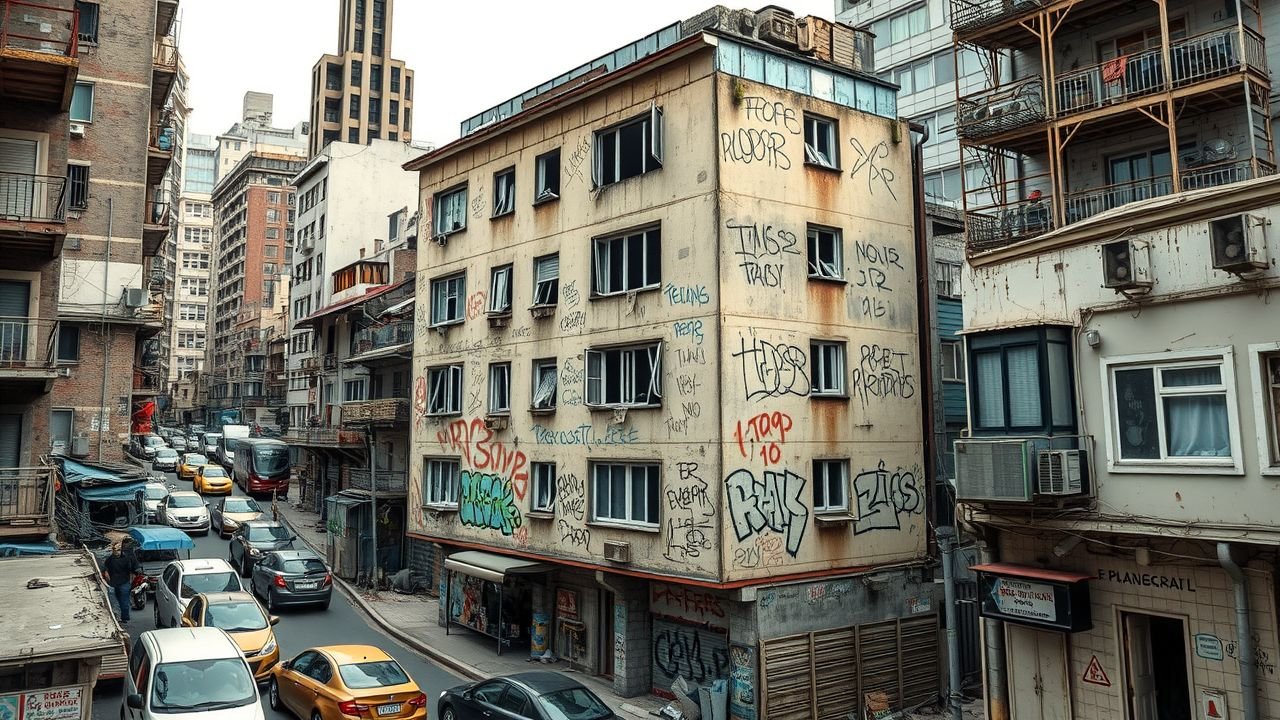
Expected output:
(994, 653)
(1244, 633)
(924, 309)
(106, 333)
(947, 544)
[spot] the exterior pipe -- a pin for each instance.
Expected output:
(106, 334)
(947, 544)
(994, 655)
(1244, 633)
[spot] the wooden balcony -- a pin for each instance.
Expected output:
(155, 227)
(164, 70)
(33, 213)
(39, 52)
(390, 482)
(159, 152)
(322, 437)
(387, 412)
(26, 501)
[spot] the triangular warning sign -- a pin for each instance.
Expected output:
(1095, 674)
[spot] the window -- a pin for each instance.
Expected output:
(500, 290)
(82, 102)
(77, 186)
(376, 46)
(273, 198)
(450, 211)
(546, 279)
(627, 150)
(1170, 410)
(952, 352)
(626, 262)
(358, 45)
(191, 339)
(625, 377)
(195, 260)
(444, 386)
(357, 70)
(353, 390)
(545, 376)
(1265, 361)
(375, 111)
(394, 112)
(504, 192)
(272, 233)
(625, 492)
(1020, 381)
(440, 481)
(273, 215)
(68, 343)
(395, 79)
(375, 78)
(547, 177)
(828, 367)
(826, 253)
(88, 30)
(830, 485)
(353, 108)
(195, 286)
(820, 142)
(189, 311)
(446, 299)
(499, 388)
(544, 487)
(948, 278)
(353, 135)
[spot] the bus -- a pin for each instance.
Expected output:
(262, 466)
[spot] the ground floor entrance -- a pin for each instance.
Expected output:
(1156, 666)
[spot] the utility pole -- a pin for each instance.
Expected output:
(947, 544)
(373, 498)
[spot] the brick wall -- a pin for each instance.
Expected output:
(82, 391)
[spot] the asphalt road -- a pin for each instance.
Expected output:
(298, 630)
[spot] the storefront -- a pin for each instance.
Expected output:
(492, 595)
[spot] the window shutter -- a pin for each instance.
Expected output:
(655, 133)
(595, 377)
(655, 377)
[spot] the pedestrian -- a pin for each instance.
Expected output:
(118, 571)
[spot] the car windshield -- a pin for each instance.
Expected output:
(152, 440)
(267, 533)
(166, 453)
(212, 438)
(157, 492)
(573, 704)
(213, 471)
(304, 566)
(197, 460)
(271, 459)
(185, 501)
(193, 585)
(202, 685)
(238, 616)
(240, 505)
(382, 673)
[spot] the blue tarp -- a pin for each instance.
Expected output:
(161, 537)
(119, 491)
(74, 472)
(35, 548)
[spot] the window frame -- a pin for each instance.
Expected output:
(813, 156)
(1266, 404)
(539, 475)
(813, 236)
(816, 362)
(88, 38)
(596, 400)
(78, 188)
(1224, 358)
(452, 390)
(630, 468)
(820, 483)
(947, 273)
(1039, 337)
(552, 283)
(430, 484)
(598, 272)
(955, 347)
(437, 202)
(542, 192)
(504, 193)
(540, 367)
(499, 382)
(459, 300)
(92, 90)
(501, 299)
(651, 145)
(59, 358)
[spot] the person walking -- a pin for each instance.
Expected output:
(118, 571)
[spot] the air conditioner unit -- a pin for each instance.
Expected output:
(76, 129)
(777, 26)
(80, 446)
(441, 240)
(134, 298)
(619, 552)
(994, 470)
(497, 422)
(1059, 472)
(1126, 265)
(1239, 243)
(64, 372)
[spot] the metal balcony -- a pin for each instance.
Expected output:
(1000, 110)
(971, 15)
(394, 334)
(155, 226)
(386, 412)
(159, 152)
(1086, 203)
(164, 69)
(39, 52)
(27, 351)
(390, 482)
(33, 213)
(26, 501)
(330, 361)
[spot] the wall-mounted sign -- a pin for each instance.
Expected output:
(57, 704)
(1208, 646)
(1095, 674)
(1034, 596)
(567, 604)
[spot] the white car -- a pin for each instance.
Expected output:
(156, 492)
(185, 672)
(166, 458)
(184, 579)
(184, 510)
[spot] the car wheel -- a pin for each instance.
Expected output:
(273, 695)
(272, 603)
(244, 565)
(447, 713)
(315, 715)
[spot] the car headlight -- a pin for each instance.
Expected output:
(271, 645)
(255, 552)
(230, 524)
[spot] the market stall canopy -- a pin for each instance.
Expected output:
(33, 548)
(492, 567)
(92, 473)
(116, 492)
(161, 537)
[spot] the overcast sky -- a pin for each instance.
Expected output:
(467, 55)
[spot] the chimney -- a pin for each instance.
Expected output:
(361, 253)
(377, 245)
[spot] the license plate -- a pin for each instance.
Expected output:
(391, 709)
(311, 586)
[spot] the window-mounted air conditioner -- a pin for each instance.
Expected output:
(998, 470)
(76, 129)
(1239, 244)
(619, 552)
(1126, 265)
(1059, 472)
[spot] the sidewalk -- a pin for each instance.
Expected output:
(411, 619)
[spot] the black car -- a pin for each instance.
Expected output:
(255, 537)
(537, 695)
(291, 577)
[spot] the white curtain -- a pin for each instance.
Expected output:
(1196, 425)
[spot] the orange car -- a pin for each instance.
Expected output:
(345, 681)
(240, 615)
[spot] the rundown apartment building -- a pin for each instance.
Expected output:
(667, 392)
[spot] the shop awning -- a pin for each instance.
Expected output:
(34, 548)
(1034, 573)
(398, 307)
(488, 566)
(74, 472)
(108, 493)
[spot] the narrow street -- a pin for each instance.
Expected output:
(298, 630)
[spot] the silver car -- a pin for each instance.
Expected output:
(184, 510)
(156, 492)
(166, 458)
(291, 577)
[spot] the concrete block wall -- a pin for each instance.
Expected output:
(632, 639)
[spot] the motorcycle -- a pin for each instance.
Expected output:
(138, 592)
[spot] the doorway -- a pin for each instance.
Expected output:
(1156, 672)
(1039, 685)
(607, 636)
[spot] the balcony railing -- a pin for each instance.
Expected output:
(25, 496)
(389, 335)
(32, 198)
(310, 365)
(157, 213)
(389, 481)
(164, 54)
(27, 343)
(1225, 173)
(973, 14)
(1087, 203)
(325, 437)
(1003, 223)
(386, 411)
(1005, 108)
(330, 361)
(39, 28)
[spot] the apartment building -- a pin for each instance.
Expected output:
(193, 270)
(361, 94)
(253, 211)
(255, 132)
(667, 402)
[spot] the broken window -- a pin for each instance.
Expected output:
(826, 253)
(500, 290)
(625, 377)
(545, 376)
(628, 262)
(820, 142)
(630, 149)
(546, 279)
(445, 390)
(547, 182)
(504, 192)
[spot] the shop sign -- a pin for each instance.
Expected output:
(1031, 596)
(59, 704)
(567, 603)
(1208, 646)
(1019, 598)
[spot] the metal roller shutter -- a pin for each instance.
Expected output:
(696, 653)
(17, 184)
(10, 440)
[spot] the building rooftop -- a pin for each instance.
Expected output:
(53, 605)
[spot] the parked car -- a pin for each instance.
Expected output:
(539, 695)
(165, 458)
(254, 538)
(184, 579)
(190, 463)
(154, 492)
(240, 615)
(184, 510)
(230, 512)
(211, 480)
(291, 577)
(144, 445)
(187, 673)
(328, 683)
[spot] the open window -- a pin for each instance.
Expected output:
(627, 262)
(826, 253)
(546, 280)
(444, 388)
(625, 376)
(547, 177)
(545, 380)
(500, 290)
(820, 142)
(450, 211)
(629, 149)
(499, 388)
(504, 192)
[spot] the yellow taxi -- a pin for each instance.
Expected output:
(241, 617)
(345, 681)
(189, 463)
(212, 480)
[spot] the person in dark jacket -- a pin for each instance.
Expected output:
(118, 571)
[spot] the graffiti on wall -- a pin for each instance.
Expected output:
(742, 682)
(679, 651)
(480, 451)
(883, 496)
(882, 374)
(488, 501)
(763, 435)
(687, 522)
(772, 369)
(774, 501)
(869, 160)
(762, 251)
(693, 604)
